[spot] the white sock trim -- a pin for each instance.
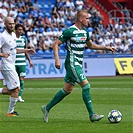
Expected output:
(1, 90)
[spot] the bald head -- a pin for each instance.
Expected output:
(9, 19)
(9, 23)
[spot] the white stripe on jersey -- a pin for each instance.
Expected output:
(21, 54)
(20, 64)
(78, 52)
(80, 59)
(76, 63)
(20, 59)
(78, 45)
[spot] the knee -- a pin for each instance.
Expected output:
(16, 91)
(86, 87)
(68, 90)
(5, 91)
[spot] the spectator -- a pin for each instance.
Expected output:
(33, 40)
(60, 21)
(48, 43)
(2, 21)
(79, 4)
(4, 11)
(122, 34)
(124, 47)
(53, 20)
(47, 23)
(29, 5)
(36, 5)
(30, 32)
(95, 20)
(30, 19)
(23, 9)
(13, 12)
(70, 4)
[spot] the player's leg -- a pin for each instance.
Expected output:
(21, 70)
(60, 95)
(87, 96)
(20, 99)
(56, 99)
(12, 103)
(12, 82)
(88, 102)
(5, 90)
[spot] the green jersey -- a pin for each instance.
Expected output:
(20, 58)
(76, 41)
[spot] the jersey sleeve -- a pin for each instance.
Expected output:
(65, 36)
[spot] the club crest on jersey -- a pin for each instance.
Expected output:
(15, 83)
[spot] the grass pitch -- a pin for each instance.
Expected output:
(70, 115)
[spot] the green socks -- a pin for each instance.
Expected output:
(87, 98)
(57, 98)
(21, 87)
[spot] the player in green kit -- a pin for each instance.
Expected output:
(76, 37)
(20, 63)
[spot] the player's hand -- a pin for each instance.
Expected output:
(6, 55)
(57, 64)
(31, 64)
(113, 49)
(31, 51)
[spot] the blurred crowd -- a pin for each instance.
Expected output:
(44, 21)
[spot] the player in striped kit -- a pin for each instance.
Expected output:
(20, 63)
(76, 37)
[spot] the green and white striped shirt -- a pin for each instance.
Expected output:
(20, 58)
(76, 41)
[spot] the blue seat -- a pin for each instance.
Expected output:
(68, 23)
(87, 51)
(47, 52)
(26, 15)
(41, 30)
(62, 52)
(39, 52)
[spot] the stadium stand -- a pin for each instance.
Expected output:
(49, 18)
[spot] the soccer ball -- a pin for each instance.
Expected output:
(114, 116)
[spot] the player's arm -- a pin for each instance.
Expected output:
(29, 60)
(91, 45)
(55, 47)
(4, 55)
(30, 51)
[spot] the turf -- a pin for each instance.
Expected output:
(70, 116)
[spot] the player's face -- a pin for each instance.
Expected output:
(10, 25)
(19, 31)
(85, 20)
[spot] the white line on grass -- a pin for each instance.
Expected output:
(77, 88)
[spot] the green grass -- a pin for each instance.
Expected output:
(70, 116)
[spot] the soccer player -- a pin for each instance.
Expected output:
(20, 63)
(76, 37)
(8, 53)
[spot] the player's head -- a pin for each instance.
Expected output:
(19, 29)
(83, 17)
(9, 23)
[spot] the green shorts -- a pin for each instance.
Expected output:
(21, 70)
(74, 74)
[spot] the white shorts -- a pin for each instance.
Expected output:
(11, 79)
